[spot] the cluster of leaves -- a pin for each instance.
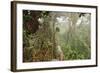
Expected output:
(37, 46)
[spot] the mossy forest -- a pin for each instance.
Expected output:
(56, 36)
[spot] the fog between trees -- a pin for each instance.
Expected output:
(46, 34)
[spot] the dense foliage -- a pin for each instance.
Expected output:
(44, 30)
